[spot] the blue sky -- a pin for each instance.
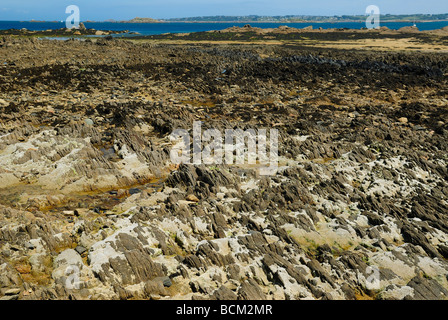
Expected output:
(123, 10)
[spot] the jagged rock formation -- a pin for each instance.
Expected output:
(91, 206)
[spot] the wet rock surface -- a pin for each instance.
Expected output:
(91, 206)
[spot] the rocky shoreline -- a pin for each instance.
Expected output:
(89, 196)
(247, 32)
(285, 33)
(64, 32)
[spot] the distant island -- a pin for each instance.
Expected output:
(143, 20)
(135, 20)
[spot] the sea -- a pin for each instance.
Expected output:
(186, 27)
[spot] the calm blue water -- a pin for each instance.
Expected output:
(181, 27)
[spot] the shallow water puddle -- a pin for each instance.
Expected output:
(33, 197)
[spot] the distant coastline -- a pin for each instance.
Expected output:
(414, 18)
(248, 21)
